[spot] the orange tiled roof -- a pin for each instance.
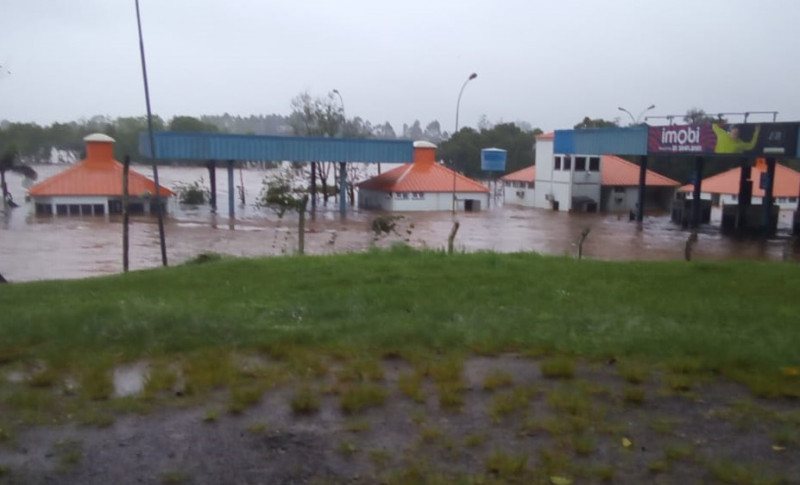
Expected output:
(546, 136)
(98, 174)
(527, 174)
(787, 182)
(411, 177)
(615, 172)
(424, 175)
(621, 173)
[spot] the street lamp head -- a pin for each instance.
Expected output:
(621, 108)
(473, 76)
(336, 91)
(651, 106)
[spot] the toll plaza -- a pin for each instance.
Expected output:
(701, 145)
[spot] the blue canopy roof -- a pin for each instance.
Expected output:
(215, 146)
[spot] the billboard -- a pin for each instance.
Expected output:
(493, 160)
(718, 139)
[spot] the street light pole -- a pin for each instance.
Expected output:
(458, 106)
(342, 165)
(636, 120)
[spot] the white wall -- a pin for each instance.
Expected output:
(519, 193)
(427, 201)
(784, 203)
(544, 173)
(624, 201)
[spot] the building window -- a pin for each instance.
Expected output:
(594, 164)
(557, 163)
(580, 164)
(74, 210)
(136, 208)
(734, 197)
(402, 195)
(567, 163)
(44, 209)
(792, 199)
(86, 209)
(62, 210)
(418, 195)
(99, 209)
(619, 190)
(531, 185)
(115, 207)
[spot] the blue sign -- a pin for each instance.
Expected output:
(493, 160)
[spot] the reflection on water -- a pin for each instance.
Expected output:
(34, 248)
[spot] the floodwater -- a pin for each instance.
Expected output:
(36, 248)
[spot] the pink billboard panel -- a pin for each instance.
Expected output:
(757, 139)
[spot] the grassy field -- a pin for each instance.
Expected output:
(397, 365)
(721, 315)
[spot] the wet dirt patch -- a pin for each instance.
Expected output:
(524, 431)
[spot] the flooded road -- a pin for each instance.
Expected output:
(35, 248)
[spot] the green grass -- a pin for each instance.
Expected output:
(305, 401)
(561, 367)
(361, 396)
(737, 314)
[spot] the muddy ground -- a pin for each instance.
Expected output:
(505, 422)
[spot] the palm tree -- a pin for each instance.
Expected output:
(8, 163)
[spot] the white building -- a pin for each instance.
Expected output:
(584, 183)
(93, 186)
(423, 185)
(723, 189)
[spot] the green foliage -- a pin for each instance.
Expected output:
(464, 148)
(589, 123)
(281, 193)
(189, 124)
(384, 224)
(194, 193)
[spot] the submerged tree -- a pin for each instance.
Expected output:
(8, 163)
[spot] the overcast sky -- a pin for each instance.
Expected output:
(546, 62)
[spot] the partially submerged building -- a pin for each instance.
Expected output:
(422, 185)
(584, 183)
(723, 188)
(93, 186)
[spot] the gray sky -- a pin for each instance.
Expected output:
(546, 62)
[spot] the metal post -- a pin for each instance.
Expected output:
(231, 190)
(642, 185)
(212, 180)
(342, 187)
(161, 237)
(313, 187)
(768, 199)
(698, 181)
(126, 217)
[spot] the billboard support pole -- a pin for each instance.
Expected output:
(744, 197)
(698, 181)
(642, 185)
(768, 199)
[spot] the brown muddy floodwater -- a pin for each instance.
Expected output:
(36, 248)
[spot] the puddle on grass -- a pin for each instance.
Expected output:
(16, 376)
(129, 379)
